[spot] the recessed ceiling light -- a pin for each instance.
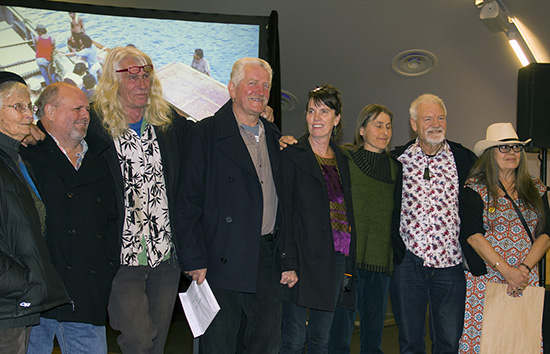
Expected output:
(413, 62)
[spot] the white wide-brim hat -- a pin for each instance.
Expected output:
(497, 134)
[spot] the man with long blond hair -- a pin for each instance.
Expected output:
(147, 137)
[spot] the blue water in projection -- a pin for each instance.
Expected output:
(164, 41)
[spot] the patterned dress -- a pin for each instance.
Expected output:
(505, 232)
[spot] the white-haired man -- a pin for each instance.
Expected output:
(425, 232)
(228, 214)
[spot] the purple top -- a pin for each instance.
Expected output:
(338, 217)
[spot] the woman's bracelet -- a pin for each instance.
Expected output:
(526, 266)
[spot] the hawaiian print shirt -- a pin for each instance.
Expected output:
(430, 222)
(146, 234)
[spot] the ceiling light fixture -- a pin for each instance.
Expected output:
(520, 48)
(414, 62)
(519, 52)
(496, 17)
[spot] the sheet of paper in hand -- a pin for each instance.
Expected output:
(200, 307)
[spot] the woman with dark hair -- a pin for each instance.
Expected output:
(504, 215)
(373, 175)
(318, 245)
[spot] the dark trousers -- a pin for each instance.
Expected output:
(261, 309)
(315, 335)
(372, 300)
(412, 288)
(141, 306)
(14, 340)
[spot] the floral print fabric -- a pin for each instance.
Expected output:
(146, 234)
(430, 223)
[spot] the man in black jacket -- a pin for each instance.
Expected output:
(228, 216)
(77, 189)
(146, 137)
(425, 231)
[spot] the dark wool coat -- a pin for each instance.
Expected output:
(81, 229)
(220, 204)
(308, 245)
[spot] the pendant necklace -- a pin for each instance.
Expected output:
(427, 169)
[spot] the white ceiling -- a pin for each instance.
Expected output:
(350, 44)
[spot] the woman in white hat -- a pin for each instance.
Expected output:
(505, 220)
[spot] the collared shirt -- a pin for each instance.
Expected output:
(257, 148)
(430, 222)
(147, 232)
(80, 155)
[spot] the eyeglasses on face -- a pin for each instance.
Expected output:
(22, 108)
(506, 148)
(136, 69)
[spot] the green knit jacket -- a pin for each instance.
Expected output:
(373, 202)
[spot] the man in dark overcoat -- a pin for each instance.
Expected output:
(77, 189)
(228, 210)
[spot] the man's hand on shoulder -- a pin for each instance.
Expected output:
(34, 137)
(286, 140)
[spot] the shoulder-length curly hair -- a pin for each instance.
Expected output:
(108, 103)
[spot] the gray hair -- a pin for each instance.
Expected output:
(425, 98)
(237, 72)
(9, 88)
(48, 96)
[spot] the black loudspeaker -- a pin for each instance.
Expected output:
(534, 105)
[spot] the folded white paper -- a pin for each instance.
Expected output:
(200, 307)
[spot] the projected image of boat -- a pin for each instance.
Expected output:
(170, 43)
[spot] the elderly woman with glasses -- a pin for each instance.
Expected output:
(505, 220)
(28, 282)
(318, 246)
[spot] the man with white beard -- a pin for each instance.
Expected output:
(425, 231)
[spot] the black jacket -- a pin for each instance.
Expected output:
(171, 144)
(220, 203)
(464, 159)
(81, 225)
(29, 283)
(308, 245)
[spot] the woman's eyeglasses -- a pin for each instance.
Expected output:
(22, 108)
(136, 69)
(506, 148)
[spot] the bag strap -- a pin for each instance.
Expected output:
(520, 215)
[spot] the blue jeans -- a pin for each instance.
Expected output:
(372, 300)
(295, 333)
(73, 337)
(43, 65)
(412, 288)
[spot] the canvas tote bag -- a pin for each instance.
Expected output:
(512, 325)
